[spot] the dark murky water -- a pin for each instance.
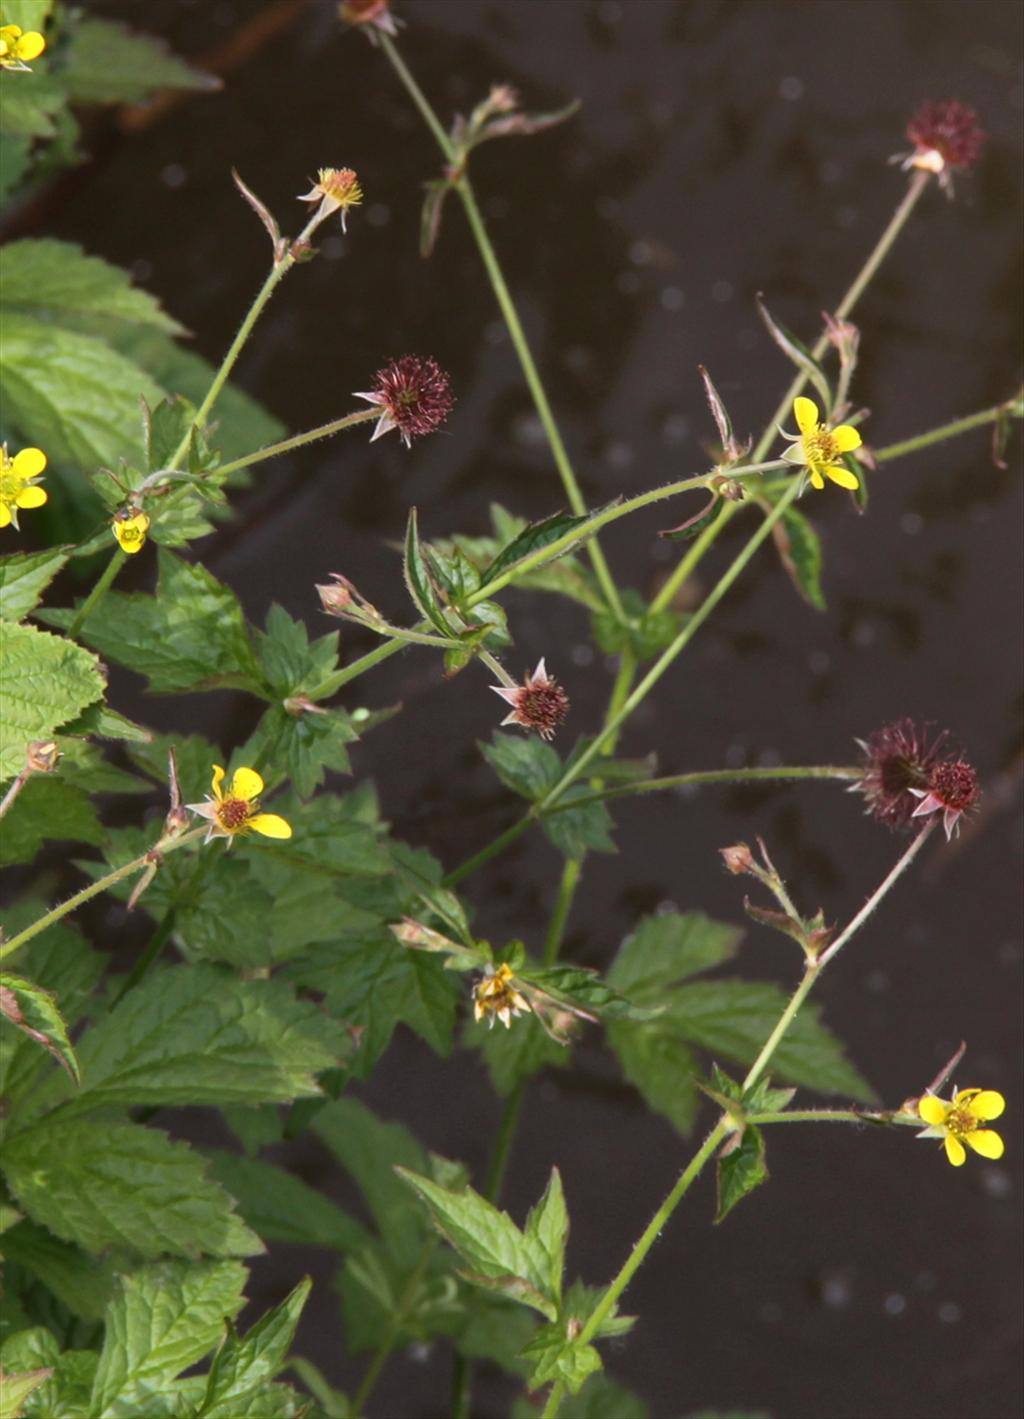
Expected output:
(724, 147)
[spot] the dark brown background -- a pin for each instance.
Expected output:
(724, 147)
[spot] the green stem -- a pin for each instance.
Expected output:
(138, 864)
(503, 1142)
(387, 1345)
(98, 592)
(782, 773)
(511, 317)
(939, 435)
(563, 906)
(832, 1116)
(493, 849)
(360, 416)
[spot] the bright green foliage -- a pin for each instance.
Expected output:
(80, 1281)
(243, 1368)
(47, 681)
(280, 1207)
(565, 577)
(531, 539)
(740, 1170)
(531, 768)
(17, 1389)
(56, 281)
(24, 576)
(100, 1184)
(47, 808)
(108, 63)
(33, 1010)
(644, 632)
(800, 551)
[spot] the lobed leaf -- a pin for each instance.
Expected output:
(47, 681)
(740, 1170)
(106, 62)
(24, 576)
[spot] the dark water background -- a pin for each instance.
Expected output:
(724, 147)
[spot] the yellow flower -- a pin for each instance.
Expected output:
(819, 447)
(237, 811)
(130, 526)
(19, 475)
(956, 1122)
(336, 189)
(495, 995)
(16, 46)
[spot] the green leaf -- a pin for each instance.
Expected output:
(574, 831)
(600, 1398)
(24, 576)
(733, 1018)
(740, 1170)
(81, 1282)
(302, 746)
(15, 158)
(499, 1256)
(107, 63)
(165, 1317)
(644, 632)
(28, 109)
(106, 723)
(243, 1367)
(29, 1349)
(47, 681)
(796, 351)
(72, 394)
(118, 1184)
(191, 635)
(515, 1054)
(547, 1228)
(280, 1207)
(16, 1390)
(66, 1395)
(526, 765)
(199, 1035)
(557, 1359)
(419, 581)
(33, 1010)
(47, 808)
(660, 1065)
(57, 281)
(799, 548)
(667, 948)
(532, 538)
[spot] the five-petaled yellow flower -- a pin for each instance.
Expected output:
(820, 447)
(17, 46)
(237, 811)
(959, 1121)
(19, 481)
(495, 995)
(130, 526)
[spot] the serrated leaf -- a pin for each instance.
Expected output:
(733, 1018)
(199, 1035)
(419, 581)
(81, 1282)
(644, 632)
(533, 538)
(24, 576)
(526, 765)
(108, 63)
(28, 109)
(244, 1366)
(799, 548)
(660, 1065)
(303, 747)
(191, 635)
(796, 351)
(101, 1184)
(496, 1252)
(280, 1207)
(47, 680)
(666, 948)
(553, 1357)
(15, 1390)
(164, 1318)
(575, 831)
(33, 1010)
(547, 1227)
(72, 394)
(57, 281)
(47, 808)
(515, 1054)
(106, 723)
(740, 1170)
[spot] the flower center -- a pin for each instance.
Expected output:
(10, 485)
(820, 446)
(234, 813)
(960, 1122)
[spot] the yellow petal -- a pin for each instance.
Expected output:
(987, 1104)
(846, 438)
(805, 411)
(5, 515)
(31, 45)
(842, 476)
(931, 1109)
(31, 496)
(955, 1151)
(816, 477)
(218, 779)
(270, 825)
(10, 32)
(986, 1142)
(246, 784)
(29, 463)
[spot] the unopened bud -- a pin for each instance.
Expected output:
(41, 756)
(298, 705)
(336, 599)
(738, 859)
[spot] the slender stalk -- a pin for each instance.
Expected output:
(493, 849)
(15, 788)
(387, 1345)
(273, 450)
(563, 906)
(872, 902)
(781, 773)
(137, 864)
(833, 1116)
(511, 317)
(503, 1142)
(939, 435)
(98, 592)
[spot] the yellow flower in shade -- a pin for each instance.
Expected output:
(17, 46)
(495, 996)
(336, 189)
(19, 478)
(237, 811)
(959, 1121)
(820, 447)
(130, 526)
